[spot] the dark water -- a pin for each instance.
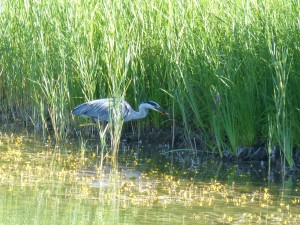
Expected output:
(45, 184)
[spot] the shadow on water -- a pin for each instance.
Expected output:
(196, 165)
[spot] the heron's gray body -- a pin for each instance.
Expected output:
(108, 109)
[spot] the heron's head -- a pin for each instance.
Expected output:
(156, 107)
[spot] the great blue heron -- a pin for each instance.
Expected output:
(107, 109)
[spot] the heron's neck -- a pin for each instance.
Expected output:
(141, 113)
(136, 115)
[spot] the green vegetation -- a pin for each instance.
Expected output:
(229, 70)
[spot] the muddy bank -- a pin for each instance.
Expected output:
(189, 149)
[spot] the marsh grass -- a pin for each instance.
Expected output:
(281, 100)
(57, 54)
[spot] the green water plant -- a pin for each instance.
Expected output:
(57, 54)
(281, 101)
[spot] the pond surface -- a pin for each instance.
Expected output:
(71, 184)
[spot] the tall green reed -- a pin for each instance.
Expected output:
(59, 54)
(281, 100)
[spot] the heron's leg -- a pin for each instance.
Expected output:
(102, 131)
(105, 129)
(101, 147)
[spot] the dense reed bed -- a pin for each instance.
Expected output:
(227, 70)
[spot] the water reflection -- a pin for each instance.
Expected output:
(41, 183)
(205, 166)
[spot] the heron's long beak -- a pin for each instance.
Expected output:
(162, 111)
